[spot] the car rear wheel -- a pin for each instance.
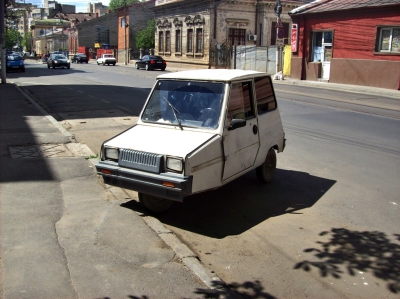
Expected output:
(266, 170)
(154, 204)
(163, 69)
(147, 67)
(48, 66)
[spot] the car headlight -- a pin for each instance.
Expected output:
(55, 61)
(174, 164)
(68, 61)
(111, 153)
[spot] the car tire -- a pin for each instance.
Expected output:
(68, 67)
(136, 66)
(113, 64)
(104, 63)
(87, 61)
(147, 67)
(48, 66)
(266, 170)
(23, 70)
(154, 204)
(54, 66)
(163, 69)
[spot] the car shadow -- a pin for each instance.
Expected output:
(243, 203)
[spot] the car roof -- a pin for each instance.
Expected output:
(213, 75)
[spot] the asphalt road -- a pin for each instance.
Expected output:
(327, 226)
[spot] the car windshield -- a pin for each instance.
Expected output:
(185, 103)
(60, 57)
(14, 57)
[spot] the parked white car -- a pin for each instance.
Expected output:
(198, 130)
(106, 59)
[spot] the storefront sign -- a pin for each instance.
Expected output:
(294, 38)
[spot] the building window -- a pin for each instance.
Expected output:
(322, 46)
(161, 41)
(178, 46)
(285, 33)
(389, 39)
(168, 41)
(190, 40)
(199, 40)
(122, 22)
(237, 36)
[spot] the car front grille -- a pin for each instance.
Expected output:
(141, 160)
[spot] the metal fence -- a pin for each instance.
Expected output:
(255, 58)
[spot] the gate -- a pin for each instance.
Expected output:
(221, 56)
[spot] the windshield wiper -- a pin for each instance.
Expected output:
(173, 111)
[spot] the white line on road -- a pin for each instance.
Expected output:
(106, 101)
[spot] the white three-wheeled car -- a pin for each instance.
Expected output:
(198, 130)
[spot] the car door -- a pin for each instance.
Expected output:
(240, 144)
(143, 61)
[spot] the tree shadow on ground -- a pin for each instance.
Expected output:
(357, 251)
(247, 290)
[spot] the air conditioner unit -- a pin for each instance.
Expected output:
(252, 37)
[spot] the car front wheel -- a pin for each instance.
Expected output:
(154, 204)
(266, 170)
(136, 66)
(147, 67)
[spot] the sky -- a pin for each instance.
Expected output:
(81, 5)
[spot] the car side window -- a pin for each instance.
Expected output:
(264, 95)
(145, 57)
(240, 101)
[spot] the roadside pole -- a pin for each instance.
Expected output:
(278, 11)
(3, 44)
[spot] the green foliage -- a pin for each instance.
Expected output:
(120, 3)
(27, 41)
(13, 38)
(145, 37)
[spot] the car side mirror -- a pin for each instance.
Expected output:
(237, 123)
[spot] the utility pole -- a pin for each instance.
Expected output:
(278, 11)
(125, 25)
(3, 44)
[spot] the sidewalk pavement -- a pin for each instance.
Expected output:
(65, 235)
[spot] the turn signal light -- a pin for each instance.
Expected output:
(168, 184)
(106, 171)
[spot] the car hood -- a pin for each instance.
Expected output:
(61, 60)
(160, 140)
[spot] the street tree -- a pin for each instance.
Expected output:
(120, 3)
(13, 38)
(145, 37)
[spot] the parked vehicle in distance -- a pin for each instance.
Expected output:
(151, 62)
(106, 59)
(198, 131)
(58, 60)
(15, 62)
(79, 58)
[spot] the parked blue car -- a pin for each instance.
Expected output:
(15, 62)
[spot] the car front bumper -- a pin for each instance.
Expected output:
(145, 182)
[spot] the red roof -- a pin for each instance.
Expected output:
(336, 5)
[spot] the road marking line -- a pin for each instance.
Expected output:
(106, 101)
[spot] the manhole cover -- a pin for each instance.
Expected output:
(40, 151)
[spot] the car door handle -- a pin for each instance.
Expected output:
(255, 130)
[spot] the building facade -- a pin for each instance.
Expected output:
(202, 34)
(356, 42)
